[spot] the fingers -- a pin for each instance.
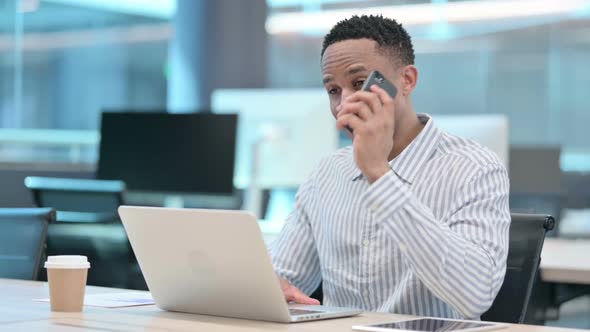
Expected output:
(384, 97)
(348, 120)
(300, 298)
(368, 98)
(293, 294)
(364, 108)
(359, 108)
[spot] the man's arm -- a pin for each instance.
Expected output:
(294, 253)
(461, 258)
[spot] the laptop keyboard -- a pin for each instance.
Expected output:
(296, 312)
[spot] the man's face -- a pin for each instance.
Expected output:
(347, 64)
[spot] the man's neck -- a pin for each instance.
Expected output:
(406, 131)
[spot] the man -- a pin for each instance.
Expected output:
(409, 219)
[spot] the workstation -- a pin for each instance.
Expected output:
(207, 151)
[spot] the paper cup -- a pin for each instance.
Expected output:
(67, 281)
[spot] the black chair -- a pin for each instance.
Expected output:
(22, 241)
(539, 203)
(513, 303)
(78, 200)
(88, 224)
(113, 263)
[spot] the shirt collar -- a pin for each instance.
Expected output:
(408, 163)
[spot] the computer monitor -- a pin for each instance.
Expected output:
(169, 153)
(489, 130)
(293, 128)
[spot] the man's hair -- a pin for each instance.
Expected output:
(391, 37)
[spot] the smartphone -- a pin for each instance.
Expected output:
(376, 78)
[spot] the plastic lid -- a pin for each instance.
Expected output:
(67, 262)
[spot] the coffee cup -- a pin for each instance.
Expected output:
(67, 281)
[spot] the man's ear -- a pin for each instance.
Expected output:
(409, 79)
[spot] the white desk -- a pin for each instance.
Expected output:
(566, 261)
(19, 313)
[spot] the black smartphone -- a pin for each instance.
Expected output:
(376, 78)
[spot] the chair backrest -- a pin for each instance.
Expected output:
(105, 244)
(538, 203)
(22, 241)
(527, 235)
(86, 200)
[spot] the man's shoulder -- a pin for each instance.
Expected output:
(340, 159)
(468, 151)
(342, 153)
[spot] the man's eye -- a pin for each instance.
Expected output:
(359, 84)
(332, 91)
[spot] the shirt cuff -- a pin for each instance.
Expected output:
(386, 195)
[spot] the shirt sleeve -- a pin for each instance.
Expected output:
(293, 253)
(460, 257)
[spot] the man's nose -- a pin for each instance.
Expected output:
(345, 94)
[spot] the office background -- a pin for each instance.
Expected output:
(64, 62)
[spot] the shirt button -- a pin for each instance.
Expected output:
(366, 242)
(402, 247)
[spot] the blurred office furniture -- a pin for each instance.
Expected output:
(56, 146)
(565, 270)
(577, 185)
(575, 223)
(566, 261)
(14, 194)
(304, 123)
(535, 169)
(88, 224)
(536, 184)
(539, 203)
(78, 200)
(113, 263)
(282, 135)
(513, 303)
(576, 214)
(489, 130)
(22, 241)
(170, 153)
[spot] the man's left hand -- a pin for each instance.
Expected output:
(371, 117)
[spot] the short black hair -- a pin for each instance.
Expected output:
(391, 37)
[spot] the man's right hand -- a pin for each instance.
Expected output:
(293, 294)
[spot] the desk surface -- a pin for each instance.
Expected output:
(566, 261)
(19, 313)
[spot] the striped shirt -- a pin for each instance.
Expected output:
(429, 238)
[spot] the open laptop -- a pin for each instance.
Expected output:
(212, 262)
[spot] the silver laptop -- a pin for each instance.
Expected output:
(211, 262)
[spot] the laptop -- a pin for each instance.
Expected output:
(212, 262)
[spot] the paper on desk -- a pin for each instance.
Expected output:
(115, 300)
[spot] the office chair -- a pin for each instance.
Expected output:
(513, 303)
(78, 200)
(88, 224)
(113, 263)
(539, 203)
(22, 241)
